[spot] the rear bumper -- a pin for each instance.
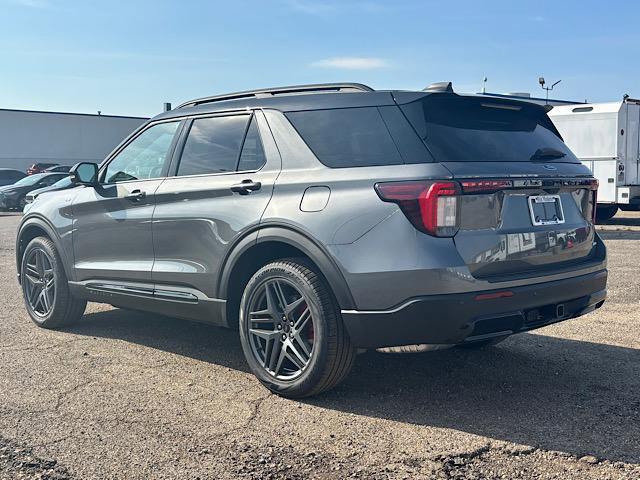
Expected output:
(460, 318)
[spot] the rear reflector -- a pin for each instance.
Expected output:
(494, 295)
(432, 207)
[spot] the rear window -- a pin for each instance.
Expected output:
(468, 129)
(348, 137)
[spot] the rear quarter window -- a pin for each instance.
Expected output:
(347, 137)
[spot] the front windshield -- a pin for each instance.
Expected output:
(30, 180)
(65, 182)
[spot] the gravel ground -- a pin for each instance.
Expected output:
(135, 396)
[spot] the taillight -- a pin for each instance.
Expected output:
(432, 207)
(485, 186)
(594, 199)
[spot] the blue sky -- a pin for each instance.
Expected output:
(128, 57)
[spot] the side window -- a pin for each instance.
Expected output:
(144, 157)
(252, 156)
(213, 145)
(347, 137)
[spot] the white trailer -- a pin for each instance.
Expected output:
(606, 138)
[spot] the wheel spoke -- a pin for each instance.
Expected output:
(294, 355)
(31, 279)
(302, 320)
(282, 300)
(36, 298)
(34, 292)
(265, 334)
(280, 355)
(272, 301)
(303, 345)
(45, 300)
(39, 263)
(293, 305)
(32, 270)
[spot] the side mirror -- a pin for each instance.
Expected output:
(84, 173)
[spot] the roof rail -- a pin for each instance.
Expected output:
(265, 92)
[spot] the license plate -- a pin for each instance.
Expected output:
(546, 210)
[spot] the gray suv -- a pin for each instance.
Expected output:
(323, 219)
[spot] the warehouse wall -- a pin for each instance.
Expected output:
(28, 137)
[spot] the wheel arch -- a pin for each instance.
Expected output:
(31, 228)
(269, 243)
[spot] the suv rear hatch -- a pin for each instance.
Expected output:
(524, 202)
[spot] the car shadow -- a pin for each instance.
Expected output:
(553, 393)
(630, 221)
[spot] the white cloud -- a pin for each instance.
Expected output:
(351, 63)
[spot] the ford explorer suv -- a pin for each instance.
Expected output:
(321, 220)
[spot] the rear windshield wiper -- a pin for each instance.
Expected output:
(547, 154)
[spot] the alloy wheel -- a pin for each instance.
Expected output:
(281, 329)
(40, 285)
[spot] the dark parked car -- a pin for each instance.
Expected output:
(59, 169)
(39, 168)
(322, 219)
(61, 184)
(9, 176)
(12, 197)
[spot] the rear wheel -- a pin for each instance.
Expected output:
(632, 207)
(291, 330)
(45, 288)
(605, 212)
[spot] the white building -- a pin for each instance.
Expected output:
(28, 137)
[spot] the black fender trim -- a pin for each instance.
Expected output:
(40, 222)
(299, 240)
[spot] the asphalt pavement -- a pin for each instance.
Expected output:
(130, 395)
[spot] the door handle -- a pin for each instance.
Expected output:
(136, 195)
(246, 187)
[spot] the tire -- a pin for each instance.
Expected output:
(302, 349)
(634, 207)
(605, 212)
(41, 265)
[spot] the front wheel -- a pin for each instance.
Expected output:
(291, 331)
(45, 288)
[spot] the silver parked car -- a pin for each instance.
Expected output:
(325, 218)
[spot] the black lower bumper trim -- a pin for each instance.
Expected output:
(460, 318)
